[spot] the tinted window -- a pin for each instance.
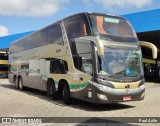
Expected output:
(43, 37)
(75, 26)
(112, 28)
(102, 24)
(58, 66)
(49, 35)
(55, 34)
(24, 44)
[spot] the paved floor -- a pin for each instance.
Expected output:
(33, 103)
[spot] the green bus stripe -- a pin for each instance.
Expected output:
(75, 86)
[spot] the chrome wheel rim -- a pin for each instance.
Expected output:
(20, 84)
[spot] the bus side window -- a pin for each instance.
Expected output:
(87, 63)
(58, 66)
(83, 62)
(65, 66)
(75, 27)
(55, 34)
(77, 62)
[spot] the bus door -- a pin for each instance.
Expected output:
(83, 61)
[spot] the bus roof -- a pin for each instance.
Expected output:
(85, 13)
(96, 13)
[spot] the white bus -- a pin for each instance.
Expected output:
(89, 56)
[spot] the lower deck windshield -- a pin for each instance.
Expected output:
(121, 62)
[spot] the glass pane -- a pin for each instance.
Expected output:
(55, 34)
(122, 62)
(75, 27)
(86, 63)
(108, 25)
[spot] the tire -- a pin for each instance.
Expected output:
(20, 84)
(54, 93)
(66, 94)
(16, 83)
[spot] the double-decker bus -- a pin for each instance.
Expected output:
(89, 56)
(3, 64)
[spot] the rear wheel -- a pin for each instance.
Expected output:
(16, 83)
(54, 93)
(66, 94)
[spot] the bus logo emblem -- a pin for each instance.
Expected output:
(127, 88)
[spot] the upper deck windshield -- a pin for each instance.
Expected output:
(112, 28)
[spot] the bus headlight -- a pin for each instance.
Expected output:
(142, 87)
(102, 97)
(104, 88)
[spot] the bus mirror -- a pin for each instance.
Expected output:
(101, 51)
(151, 46)
(99, 44)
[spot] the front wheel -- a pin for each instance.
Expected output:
(51, 89)
(20, 83)
(66, 94)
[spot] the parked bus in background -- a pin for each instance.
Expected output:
(151, 65)
(3, 64)
(89, 56)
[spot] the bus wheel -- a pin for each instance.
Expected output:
(20, 84)
(16, 83)
(66, 94)
(51, 90)
(54, 93)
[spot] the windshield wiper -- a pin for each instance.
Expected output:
(118, 74)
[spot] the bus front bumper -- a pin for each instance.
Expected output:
(110, 95)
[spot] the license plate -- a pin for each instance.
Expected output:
(127, 98)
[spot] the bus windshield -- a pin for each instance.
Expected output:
(108, 25)
(125, 62)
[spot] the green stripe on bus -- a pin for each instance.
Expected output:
(75, 86)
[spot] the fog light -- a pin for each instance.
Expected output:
(102, 97)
